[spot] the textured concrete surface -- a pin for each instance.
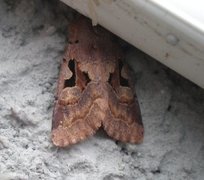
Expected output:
(32, 39)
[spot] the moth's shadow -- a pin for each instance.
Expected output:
(101, 134)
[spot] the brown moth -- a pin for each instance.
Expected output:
(95, 89)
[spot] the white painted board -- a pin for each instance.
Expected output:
(170, 31)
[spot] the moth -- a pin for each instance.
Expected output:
(95, 89)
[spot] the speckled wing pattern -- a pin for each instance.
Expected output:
(95, 89)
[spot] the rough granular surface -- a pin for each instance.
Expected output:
(32, 39)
